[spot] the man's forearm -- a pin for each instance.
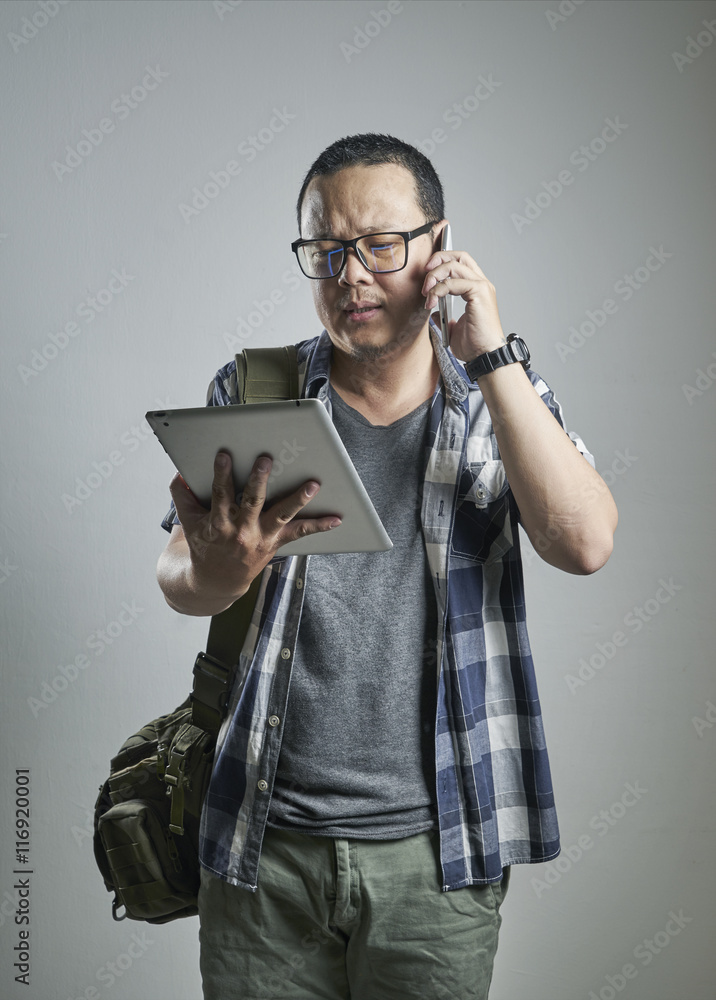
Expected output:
(560, 497)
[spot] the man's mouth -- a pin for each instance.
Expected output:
(364, 312)
(358, 310)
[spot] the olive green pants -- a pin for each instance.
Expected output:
(348, 920)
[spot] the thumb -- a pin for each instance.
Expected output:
(188, 508)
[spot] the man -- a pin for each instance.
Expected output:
(383, 760)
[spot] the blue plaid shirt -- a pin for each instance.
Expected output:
(494, 790)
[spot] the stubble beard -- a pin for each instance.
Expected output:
(372, 353)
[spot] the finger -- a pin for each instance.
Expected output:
(436, 283)
(458, 263)
(438, 289)
(436, 274)
(222, 489)
(454, 256)
(283, 511)
(253, 497)
(454, 267)
(301, 527)
(469, 287)
(440, 257)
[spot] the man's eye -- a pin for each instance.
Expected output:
(320, 253)
(382, 246)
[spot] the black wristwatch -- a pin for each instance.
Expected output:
(514, 350)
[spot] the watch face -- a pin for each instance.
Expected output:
(519, 349)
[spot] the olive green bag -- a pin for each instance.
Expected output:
(147, 814)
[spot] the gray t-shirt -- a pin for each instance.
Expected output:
(357, 757)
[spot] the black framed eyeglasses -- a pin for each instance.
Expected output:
(380, 253)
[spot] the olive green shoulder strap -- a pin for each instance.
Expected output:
(265, 374)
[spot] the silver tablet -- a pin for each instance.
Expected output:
(303, 443)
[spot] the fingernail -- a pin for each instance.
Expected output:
(312, 489)
(263, 464)
(335, 522)
(222, 460)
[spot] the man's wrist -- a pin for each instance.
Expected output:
(513, 351)
(201, 591)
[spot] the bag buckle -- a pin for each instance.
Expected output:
(175, 778)
(210, 692)
(162, 761)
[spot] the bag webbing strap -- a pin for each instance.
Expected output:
(214, 669)
(145, 892)
(263, 374)
(267, 374)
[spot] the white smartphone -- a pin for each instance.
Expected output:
(445, 304)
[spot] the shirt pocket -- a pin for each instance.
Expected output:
(482, 531)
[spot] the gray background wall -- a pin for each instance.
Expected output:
(84, 484)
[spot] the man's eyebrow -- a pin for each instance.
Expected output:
(325, 235)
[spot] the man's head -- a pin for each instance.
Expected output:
(363, 184)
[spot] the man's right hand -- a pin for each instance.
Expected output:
(211, 561)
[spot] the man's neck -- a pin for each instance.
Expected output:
(387, 388)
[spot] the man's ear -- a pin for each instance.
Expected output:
(438, 230)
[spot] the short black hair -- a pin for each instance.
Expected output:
(371, 149)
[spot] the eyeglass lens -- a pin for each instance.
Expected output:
(382, 252)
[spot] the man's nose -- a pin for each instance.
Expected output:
(353, 270)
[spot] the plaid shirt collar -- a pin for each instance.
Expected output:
(452, 372)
